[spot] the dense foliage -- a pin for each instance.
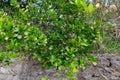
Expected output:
(58, 33)
(19, 37)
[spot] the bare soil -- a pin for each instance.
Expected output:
(107, 68)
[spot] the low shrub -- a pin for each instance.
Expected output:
(62, 37)
(71, 28)
(20, 37)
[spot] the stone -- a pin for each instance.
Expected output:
(17, 69)
(4, 70)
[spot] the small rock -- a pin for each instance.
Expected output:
(17, 68)
(4, 70)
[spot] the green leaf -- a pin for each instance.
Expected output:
(43, 78)
(78, 2)
(84, 44)
(6, 38)
(94, 63)
(19, 36)
(90, 8)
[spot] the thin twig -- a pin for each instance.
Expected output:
(102, 75)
